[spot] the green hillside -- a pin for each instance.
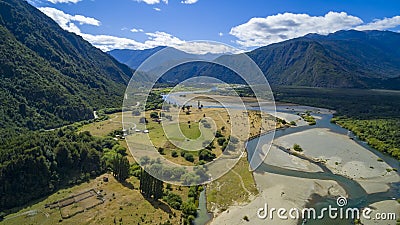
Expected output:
(50, 77)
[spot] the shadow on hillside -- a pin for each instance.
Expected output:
(159, 205)
(127, 184)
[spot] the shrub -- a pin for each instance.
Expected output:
(174, 200)
(161, 151)
(221, 141)
(218, 134)
(189, 157)
(297, 148)
(154, 115)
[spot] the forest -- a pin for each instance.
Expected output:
(35, 164)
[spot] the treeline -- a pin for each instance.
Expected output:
(35, 164)
(381, 134)
(353, 103)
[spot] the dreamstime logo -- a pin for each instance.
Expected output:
(332, 212)
(341, 201)
(160, 133)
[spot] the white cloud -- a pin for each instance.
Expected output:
(197, 47)
(263, 31)
(134, 30)
(157, 9)
(189, 1)
(276, 28)
(152, 2)
(221, 34)
(64, 1)
(162, 39)
(66, 21)
(108, 42)
(382, 24)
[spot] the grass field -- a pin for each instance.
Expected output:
(123, 205)
(103, 128)
(235, 187)
(170, 134)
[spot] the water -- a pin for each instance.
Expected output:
(203, 216)
(358, 197)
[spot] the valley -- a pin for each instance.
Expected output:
(115, 115)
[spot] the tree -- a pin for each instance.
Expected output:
(189, 157)
(120, 167)
(154, 115)
(221, 141)
(63, 155)
(206, 155)
(218, 134)
(189, 208)
(150, 187)
(297, 148)
(174, 200)
(161, 151)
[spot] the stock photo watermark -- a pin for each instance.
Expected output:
(340, 211)
(154, 126)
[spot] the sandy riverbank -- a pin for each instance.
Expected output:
(279, 192)
(382, 208)
(343, 156)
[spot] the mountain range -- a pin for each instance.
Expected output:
(344, 59)
(50, 77)
(134, 58)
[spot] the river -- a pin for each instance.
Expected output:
(358, 197)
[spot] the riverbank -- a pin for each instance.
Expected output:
(277, 191)
(343, 156)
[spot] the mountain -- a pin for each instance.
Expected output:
(48, 76)
(345, 59)
(134, 58)
(342, 59)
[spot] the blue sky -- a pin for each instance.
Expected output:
(243, 24)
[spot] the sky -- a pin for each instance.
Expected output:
(225, 25)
